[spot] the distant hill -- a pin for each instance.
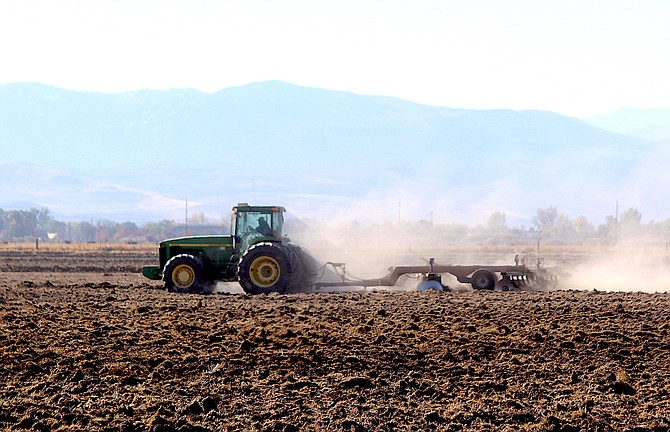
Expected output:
(651, 124)
(139, 155)
(77, 196)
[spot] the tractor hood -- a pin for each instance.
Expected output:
(195, 241)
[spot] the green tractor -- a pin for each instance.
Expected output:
(256, 254)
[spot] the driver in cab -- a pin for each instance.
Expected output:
(263, 227)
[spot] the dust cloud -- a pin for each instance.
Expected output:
(370, 250)
(624, 267)
(225, 288)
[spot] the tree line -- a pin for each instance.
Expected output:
(554, 227)
(38, 224)
(548, 225)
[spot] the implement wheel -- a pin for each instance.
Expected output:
(429, 285)
(505, 284)
(265, 268)
(483, 280)
(184, 273)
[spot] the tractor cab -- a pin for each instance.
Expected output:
(257, 223)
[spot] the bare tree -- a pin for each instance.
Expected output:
(546, 218)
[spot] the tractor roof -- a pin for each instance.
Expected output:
(244, 207)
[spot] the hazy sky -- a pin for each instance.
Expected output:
(574, 57)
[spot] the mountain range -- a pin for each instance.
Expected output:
(147, 155)
(652, 124)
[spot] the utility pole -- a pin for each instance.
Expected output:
(616, 223)
(186, 217)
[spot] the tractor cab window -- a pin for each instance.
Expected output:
(252, 225)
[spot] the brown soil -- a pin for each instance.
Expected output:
(88, 344)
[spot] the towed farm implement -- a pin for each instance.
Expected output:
(480, 277)
(262, 260)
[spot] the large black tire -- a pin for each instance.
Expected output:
(184, 273)
(483, 279)
(267, 267)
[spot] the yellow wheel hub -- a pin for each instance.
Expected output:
(264, 271)
(183, 276)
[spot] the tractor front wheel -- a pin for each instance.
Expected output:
(184, 273)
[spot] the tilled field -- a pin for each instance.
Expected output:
(70, 259)
(100, 348)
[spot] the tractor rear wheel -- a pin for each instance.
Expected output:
(184, 273)
(483, 279)
(265, 268)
